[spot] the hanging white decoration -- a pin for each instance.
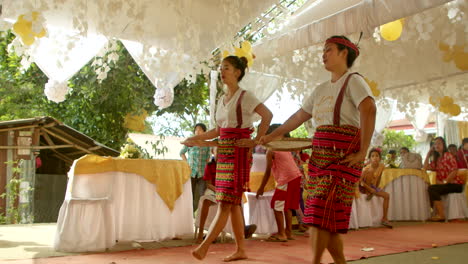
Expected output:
(56, 91)
(163, 97)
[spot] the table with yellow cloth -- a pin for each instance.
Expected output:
(409, 199)
(110, 199)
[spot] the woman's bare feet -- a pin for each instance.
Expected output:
(236, 256)
(199, 253)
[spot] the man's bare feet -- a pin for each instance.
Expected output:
(236, 256)
(199, 253)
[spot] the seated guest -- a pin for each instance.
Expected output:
(410, 160)
(452, 149)
(440, 160)
(391, 159)
(370, 179)
(462, 155)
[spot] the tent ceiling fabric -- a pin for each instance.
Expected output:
(409, 69)
(176, 34)
(339, 17)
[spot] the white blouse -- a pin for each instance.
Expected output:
(226, 112)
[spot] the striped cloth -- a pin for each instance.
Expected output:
(233, 167)
(331, 186)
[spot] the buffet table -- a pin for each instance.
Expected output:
(109, 199)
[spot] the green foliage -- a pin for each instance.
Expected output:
(19, 90)
(300, 132)
(13, 213)
(95, 109)
(395, 140)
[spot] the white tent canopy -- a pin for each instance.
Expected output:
(164, 36)
(409, 69)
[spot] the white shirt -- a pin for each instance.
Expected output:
(226, 112)
(321, 103)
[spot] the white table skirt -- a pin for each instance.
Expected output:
(409, 199)
(133, 211)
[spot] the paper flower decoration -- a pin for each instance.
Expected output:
(373, 86)
(135, 122)
(56, 91)
(29, 27)
(456, 53)
(163, 97)
(392, 31)
(445, 105)
(244, 51)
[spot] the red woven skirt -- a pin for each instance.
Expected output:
(331, 186)
(233, 166)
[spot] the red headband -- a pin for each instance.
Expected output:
(345, 42)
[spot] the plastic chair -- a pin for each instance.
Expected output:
(366, 213)
(455, 205)
(87, 222)
(209, 220)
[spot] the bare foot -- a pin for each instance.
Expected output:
(236, 256)
(199, 253)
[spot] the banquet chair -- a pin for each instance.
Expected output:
(455, 205)
(366, 213)
(209, 220)
(259, 212)
(88, 201)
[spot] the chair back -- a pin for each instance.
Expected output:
(90, 186)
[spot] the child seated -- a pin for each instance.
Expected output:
(287, 192)
(370, 179)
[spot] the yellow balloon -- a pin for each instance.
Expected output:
(225, 53)
(444, 109)
(446, 101)
(391, 31)
(35, 15)
(461, 60)
(448, 56)
(41, 34)
(21, 28)
(432, 101)
(444, 47)
(455, 110)
(28, 39)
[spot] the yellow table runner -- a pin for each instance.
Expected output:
(389, 175)
(169, 176)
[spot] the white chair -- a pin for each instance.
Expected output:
(259, 212)
(366, 213)
(455, 206)
(86, 202)
(209, 220)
